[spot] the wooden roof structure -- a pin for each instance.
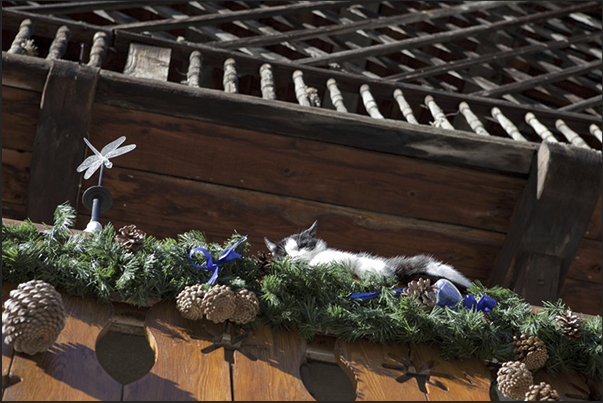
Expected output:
(405, 127)
(466, 130)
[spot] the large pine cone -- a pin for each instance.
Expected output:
(130, 238)
(514, 379)
(33, 317)
(569, 325)
(218, 303)
(246, 306)
(541, 392)
(530, 350)
(423, 289)
(189, 301)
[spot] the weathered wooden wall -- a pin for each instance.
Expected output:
(197, 166)
(221, 162)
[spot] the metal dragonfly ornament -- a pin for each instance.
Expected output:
(97, 198)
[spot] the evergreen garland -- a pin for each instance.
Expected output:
(310, 300)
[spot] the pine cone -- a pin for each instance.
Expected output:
(262, 259)
(514, 379)
(189, 301)
(569, 325)
(541, 392)
(218, 303)
(246, 306)
(423, 289)
(530, 350)
(130, 238)
(33, 317)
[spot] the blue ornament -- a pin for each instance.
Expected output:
(447, 295)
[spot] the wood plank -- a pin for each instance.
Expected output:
(62, 123)
(329, 126)
(453, 380)
(69, 370)
(564, 178)
(274, 375)
(338, 29)
(541, 79)
(582, 296)
(364, 364)
(20, 109)
(593, 231)
(139, 198)
(25, 72)
(310, 169)
(146, 61)
(13, 210)
(181, 371)
(586, 266)
(215, 19)
(73, 7)
(443, 37)
(15, 175)
(491, 57)
(570, 386)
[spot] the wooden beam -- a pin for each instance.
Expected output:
(394, 137)
(214, 19)
(72, 7)
(540, 80)
(373, 23)
(58, 146)
(549, 221)
(492, 57)
(318, 77)
(443, 37)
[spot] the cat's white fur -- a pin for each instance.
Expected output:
(360, 263)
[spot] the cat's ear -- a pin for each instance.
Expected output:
(270, 245)
(312, 230)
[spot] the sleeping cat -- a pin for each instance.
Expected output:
(307, 247)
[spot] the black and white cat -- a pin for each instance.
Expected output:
(307, 247)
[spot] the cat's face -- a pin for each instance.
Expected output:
(304, 245)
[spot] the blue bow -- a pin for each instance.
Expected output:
(228, 256)
(368, 295)
(485, 303)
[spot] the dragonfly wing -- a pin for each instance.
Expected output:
(112, 146)
(91, 146)
(88, 162)
(120, 151)
(92, 169)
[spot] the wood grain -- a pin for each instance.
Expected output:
(564, 179)
(275, 374)
(221, 210)
(69, 370)
(309, 169)
(62, 123)
(20, 109)
(453, 380)
(15, 176)
(277, 117)
(582, 296)
(569, 386)
(181, 371)
(363, 362)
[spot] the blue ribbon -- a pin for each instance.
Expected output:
(485, 303)
(368, 295)
(228, 256)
